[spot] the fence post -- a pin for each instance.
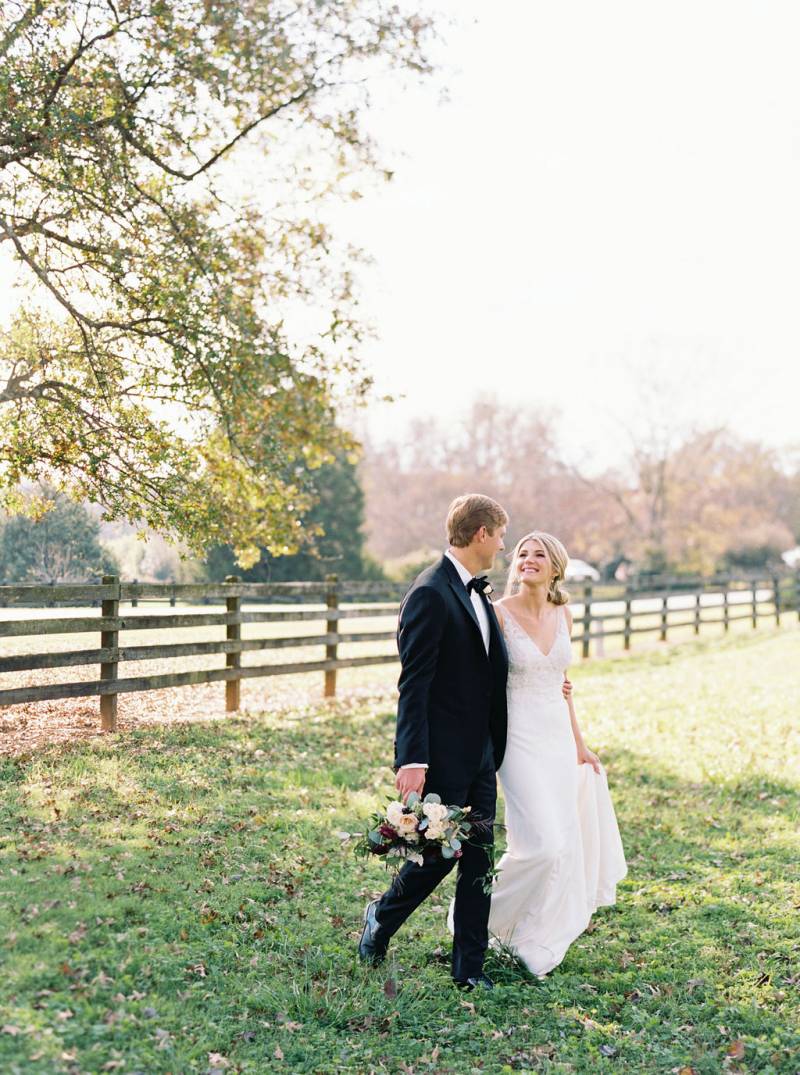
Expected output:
(331, 627)
(697, 608)
(726, 623)
(108, 669)
(135, 600)
(664, 611)
(233, 633)
(172, 597)
(797, 592)
(627, 629)
(755, 602)
(587, 619)
(776, 589)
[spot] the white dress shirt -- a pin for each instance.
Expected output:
(483, 623)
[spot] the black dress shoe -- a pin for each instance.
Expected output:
(480, 981)
(373, 944)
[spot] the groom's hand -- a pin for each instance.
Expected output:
(408, 780)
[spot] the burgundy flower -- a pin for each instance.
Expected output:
(387, 830)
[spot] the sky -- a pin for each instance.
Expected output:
(608, 195)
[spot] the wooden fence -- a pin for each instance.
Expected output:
(601, 612)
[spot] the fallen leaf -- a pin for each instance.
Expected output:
(589, 1023)
(390, 988)
(278, 1054)
(217, 1060)
(736, 1050)
(10, 1029)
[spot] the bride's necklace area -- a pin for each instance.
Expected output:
(538, 623)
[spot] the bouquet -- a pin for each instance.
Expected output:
(416, 830)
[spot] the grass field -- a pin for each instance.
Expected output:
(176, 899)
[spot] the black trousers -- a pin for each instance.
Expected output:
(414, 883)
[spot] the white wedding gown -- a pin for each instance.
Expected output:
(564, 855)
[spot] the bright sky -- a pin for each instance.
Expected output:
(611, 187)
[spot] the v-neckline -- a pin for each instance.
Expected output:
(533, 640)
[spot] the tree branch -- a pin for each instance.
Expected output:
(188, 176)
(21, 25)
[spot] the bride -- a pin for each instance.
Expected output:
(564, 855)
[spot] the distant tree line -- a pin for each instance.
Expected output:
(694, 500)
(58, 542)
(697, 503)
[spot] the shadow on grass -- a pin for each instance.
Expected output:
(195, 872)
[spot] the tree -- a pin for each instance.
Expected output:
(153, 376)
(506, 452)
(335, 527)
(688, 499)
(60, 545)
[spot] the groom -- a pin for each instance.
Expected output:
(451, 727)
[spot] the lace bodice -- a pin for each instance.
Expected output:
(529, 670)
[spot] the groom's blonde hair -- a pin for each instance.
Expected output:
(468, 513)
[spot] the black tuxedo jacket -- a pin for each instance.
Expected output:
(452, 695)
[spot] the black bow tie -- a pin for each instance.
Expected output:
(481, 584)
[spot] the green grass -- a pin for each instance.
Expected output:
(176, 899)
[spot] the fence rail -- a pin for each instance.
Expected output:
(601, 612)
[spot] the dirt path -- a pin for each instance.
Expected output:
(28, 728)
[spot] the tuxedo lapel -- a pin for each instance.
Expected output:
(460, 590)
(498, 643)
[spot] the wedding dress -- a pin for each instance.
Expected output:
(564, 855)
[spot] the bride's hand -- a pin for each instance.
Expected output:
(566, 688)
(586, 757)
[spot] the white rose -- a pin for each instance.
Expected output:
(435, 812)
(434, 832)
(394, 812)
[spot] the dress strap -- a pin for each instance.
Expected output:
(512, 624)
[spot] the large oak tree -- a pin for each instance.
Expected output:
(158, 379)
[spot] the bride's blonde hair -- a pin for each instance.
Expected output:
(559, 559)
